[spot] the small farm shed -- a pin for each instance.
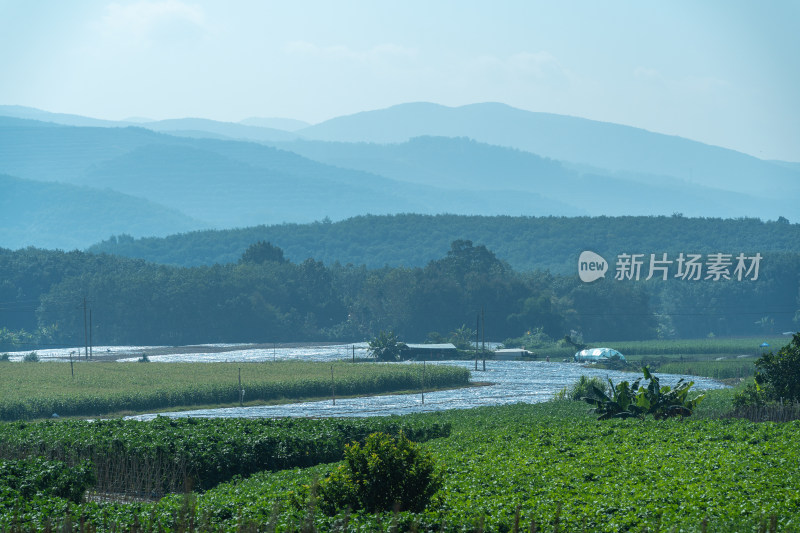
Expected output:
(507, 354)
(429, 351)
(594, 355)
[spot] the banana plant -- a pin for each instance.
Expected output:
(636, 401)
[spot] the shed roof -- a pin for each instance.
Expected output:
(445, 346)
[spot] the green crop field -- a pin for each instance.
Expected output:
(708, 347)
(543, 467)
(37, 390)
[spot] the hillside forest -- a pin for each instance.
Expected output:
(265, 297)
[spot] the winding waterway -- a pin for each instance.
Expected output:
(509, 381)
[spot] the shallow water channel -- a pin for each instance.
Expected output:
(510, 382)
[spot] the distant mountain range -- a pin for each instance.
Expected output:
(483, 159)
(65, 216)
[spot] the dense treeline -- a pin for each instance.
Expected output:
(264, 297)
(409, 240)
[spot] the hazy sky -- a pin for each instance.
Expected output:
(724, 72)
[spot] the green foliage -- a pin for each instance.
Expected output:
(5, 358)
(31, 357)
(541, 344)
(676, 348)
(781, 372)
(635, 401)
(203, 451)
(777, 377)
(385, 347)
(463, 338)
(585, 387)
(722, 369)
(263, 299)
(37, 391)
(539, 467)
(15, 340)
(383, 474)
(262, 252)
(526, 243)
(29, 477)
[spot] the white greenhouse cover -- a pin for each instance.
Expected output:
(597, 354)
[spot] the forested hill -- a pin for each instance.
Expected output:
(526, 243)
(262, 297)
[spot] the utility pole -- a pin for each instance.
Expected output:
(241, 390)
(483, 334)
(85, 332)
(91, 344)
(477, 328)
(423, 382)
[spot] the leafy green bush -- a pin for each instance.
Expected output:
(206, 451)
(635, 401)
(777, 377)
(385, 473)
(54, 478)
(385, 347)
(4, 358)
(31, 357)
(582, 388)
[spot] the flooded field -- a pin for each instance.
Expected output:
(502, 382)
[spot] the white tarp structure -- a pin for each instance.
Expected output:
(510, 354)
(593, 355)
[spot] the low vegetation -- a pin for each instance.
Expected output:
(167, 455)
(777, 378)
(385, 473)
(585, 387)
(39, 391)
(543, 467)
(631, 400)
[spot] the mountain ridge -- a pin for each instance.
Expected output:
(217, 180)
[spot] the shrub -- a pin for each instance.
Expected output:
(631, 400)
(55, 478)
(4, 358)
(777, 377)
(780, 373)
(385, 347)
(385, 473)
(32, 357)
(583, 388)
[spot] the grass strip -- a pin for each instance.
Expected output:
(37, 390)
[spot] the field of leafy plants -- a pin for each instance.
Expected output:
(37, 390)
(148, 459)
(542, 467)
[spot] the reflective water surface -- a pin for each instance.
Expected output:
(510, 382)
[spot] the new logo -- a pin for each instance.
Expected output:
(591, 266)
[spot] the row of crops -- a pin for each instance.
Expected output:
(542, 467)
(701, 347)
(37, 390)
(149, 459)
